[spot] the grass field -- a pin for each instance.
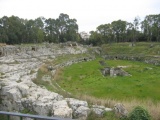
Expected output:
(86, 78)
(85, 81)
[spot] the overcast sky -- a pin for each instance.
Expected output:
(89, 13)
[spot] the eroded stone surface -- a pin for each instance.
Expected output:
(19, 66)
(120, 110)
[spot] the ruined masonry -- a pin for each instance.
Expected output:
(18, 92)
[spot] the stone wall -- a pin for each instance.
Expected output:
(70, 62)
(155, 60)
(11, 50)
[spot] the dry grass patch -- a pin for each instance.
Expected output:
(58, 74)
(149, 105)
(43, 68)
(69, 78)
(82, 77)
(2, 44)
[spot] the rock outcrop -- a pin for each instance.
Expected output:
(120, 110)
(114, 71)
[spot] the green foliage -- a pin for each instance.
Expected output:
(3, 117)
(14, 30)
(27, 111)
(49, 113)
(139, 113)
(40, 36)
(123, 31)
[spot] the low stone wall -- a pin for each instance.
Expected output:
(11, 50)
(43, 48)
(147, 59)
(7, 50)
(67, 63)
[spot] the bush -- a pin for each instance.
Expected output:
(139, 113)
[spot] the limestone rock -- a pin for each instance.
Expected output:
(118, 72)
(108, 109)
(106, 71)
(74, 103)
(120, 110)
(62, 109)
(14, 94)
(24, 89)
(98, 106)
(81, 112)
(80, 108)
(42, 108)
(99, 112)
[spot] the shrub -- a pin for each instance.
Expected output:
(139, 113)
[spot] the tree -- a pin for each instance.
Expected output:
(38, 28)
(30, 32)
(72, 30)
(130, 32)
(151, 27)
(95, 38)
(40, 36)
(136, 23)
(3, 29)
(119, 30)
(14, 30)
(106, 32)
(52, 30)
(68, 28)
(11, 30)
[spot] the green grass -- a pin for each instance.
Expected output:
(85, 78)
(52, 85)
(141, 48)
(41, 72)
(67, 57)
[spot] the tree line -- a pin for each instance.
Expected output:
(147, 30)
(15, 30)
